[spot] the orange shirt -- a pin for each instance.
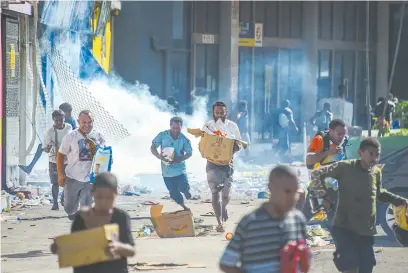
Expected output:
(316, 145)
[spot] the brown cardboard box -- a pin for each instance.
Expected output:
(172, 224)
(216, 149)
(86, 247)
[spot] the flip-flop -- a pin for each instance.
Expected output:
(245, 202)
(207, 201)
(150, 203)
(212, 214)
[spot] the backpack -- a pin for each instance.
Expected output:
(326, 145)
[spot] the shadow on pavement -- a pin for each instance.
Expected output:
(30, 254)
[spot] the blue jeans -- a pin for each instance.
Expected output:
(177, 185)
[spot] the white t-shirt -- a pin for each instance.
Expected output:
(49, 140)
(77, 150)
(232, 128)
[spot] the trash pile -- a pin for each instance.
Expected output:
(318, 236)
(25, 196)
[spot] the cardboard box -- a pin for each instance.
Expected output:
(216, 149)
(172, 224)
(86, 247)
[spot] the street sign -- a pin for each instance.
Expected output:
(207, 39)
(258, 34)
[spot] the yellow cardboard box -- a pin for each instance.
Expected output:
(86, 247)
(172, 224)
(216, 149)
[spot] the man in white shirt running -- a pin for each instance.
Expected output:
(79, 147)
(52, 141)
(219, 177)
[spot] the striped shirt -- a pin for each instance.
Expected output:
(258, 239)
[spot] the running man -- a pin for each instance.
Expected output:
(325, 148)
(79, 147)
(219, 177)
(360, 186)
(174, 165)
(52, 141)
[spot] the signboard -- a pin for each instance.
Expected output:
(250, 35)
(258, 35)
(12, 61)
(248, 42)
(207, 39)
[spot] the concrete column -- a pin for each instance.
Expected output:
(228, 53)
(382, 56)
(309, 81)
(24, 43)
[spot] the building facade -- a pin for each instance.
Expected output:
(262, 52)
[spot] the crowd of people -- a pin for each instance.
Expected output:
(261, 239)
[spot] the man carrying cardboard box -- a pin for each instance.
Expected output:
(175, 149)
(219, 177)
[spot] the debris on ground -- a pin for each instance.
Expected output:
(145, 231)
(318, 236)
(160, 266)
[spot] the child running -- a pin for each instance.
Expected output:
(354, 227)
(104, 192)
(260, 236)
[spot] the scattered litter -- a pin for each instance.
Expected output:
(150, 203)
(317, 231)
(161, 266)
(144, 231)
(128, 193)
(381, 250)
(196, 197)
(317, 241)
(20, 195)
(210, 213)
(229, 236)
(263, 195)
(198, 220)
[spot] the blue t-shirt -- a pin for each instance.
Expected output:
(181, 145)
(72, 122)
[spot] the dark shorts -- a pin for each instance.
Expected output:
(353, 250)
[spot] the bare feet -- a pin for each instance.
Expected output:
(220, 228)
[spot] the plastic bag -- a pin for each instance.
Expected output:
(102, 161)
(219, 128)
(168, 154)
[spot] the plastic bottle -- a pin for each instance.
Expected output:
(146, 231)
